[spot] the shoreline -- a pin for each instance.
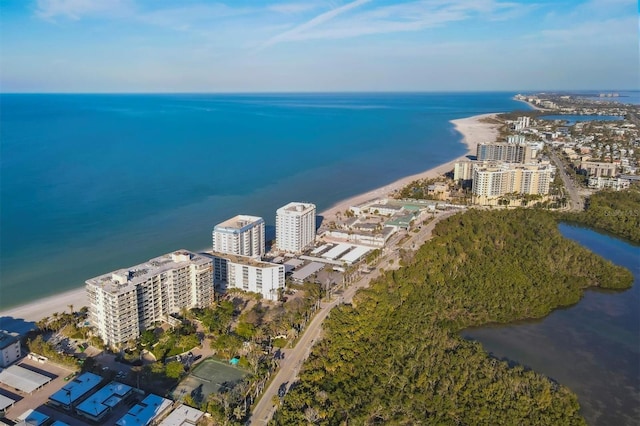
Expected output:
(473, 132)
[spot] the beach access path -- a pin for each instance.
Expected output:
(475, 130)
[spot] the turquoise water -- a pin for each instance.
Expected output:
(92, 183)
(592, 347)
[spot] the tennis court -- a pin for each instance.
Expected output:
(209, 377)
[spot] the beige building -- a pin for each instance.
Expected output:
(504, 151)
(126, 302)
(241, 235)
(599, 169)
(492, 180)
(295, 227)
(463, 170)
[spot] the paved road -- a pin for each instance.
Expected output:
(293, 358)
(576, 201)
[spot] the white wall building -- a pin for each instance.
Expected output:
(616, 184)
(295, 227)
(247, 274)
(9, 349)
(241, 235)
(126, 302)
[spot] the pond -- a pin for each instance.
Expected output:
(592, 347)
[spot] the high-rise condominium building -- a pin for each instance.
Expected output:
(497, 179)
(241, 235)
(295, 227)
(125, 302)
(504, 151)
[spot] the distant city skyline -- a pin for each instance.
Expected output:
(318, 46)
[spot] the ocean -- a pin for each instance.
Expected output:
(94, 183)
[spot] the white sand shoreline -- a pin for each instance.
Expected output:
(473, 130)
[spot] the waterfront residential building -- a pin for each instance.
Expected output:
(295, 227)
(9, 349)
(126, 302)
(516, 139)
(247, 274)
(242, 235)
(504, 151)
(463, 170)
(491, 180)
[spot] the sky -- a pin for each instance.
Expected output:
(317, 45)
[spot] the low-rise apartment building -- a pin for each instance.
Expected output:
(247, 274)
(599, 169)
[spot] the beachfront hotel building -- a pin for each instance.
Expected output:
(124, 303)
(248, 274)
(492, 180)
(295, 227)
(463, 170)
(241, 235)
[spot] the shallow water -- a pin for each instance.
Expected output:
(592, 347)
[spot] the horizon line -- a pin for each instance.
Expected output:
(329, 92)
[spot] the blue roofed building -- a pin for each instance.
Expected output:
(32, 418)
(142, 414)
(101, 403)
(73, 392)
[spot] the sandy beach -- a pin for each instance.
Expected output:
(473, 130)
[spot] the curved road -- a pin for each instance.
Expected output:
(294, 357)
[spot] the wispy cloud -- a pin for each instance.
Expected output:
(77, 9)
(323, 18)
(403, 17)
(292, 8)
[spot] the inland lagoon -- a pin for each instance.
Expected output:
(592, 347)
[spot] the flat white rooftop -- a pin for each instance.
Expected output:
(296, 208)
(182, 416)
(238, 222)
(355, 254)
(310, 269)
(337, 251)
(244, 260)
(124, 280)
(23, 379)
(32, 418)
(5, 402)
(320, 249)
